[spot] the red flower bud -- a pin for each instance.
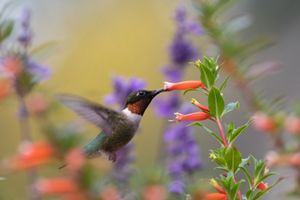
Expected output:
(262, 186)
(184, 85)
(75, 159)
(294, 159)
(264, 122)
(199, 105)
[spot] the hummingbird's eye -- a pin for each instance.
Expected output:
(141, 93)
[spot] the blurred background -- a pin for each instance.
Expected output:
(98, 39)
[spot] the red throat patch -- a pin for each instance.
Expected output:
(138, 107)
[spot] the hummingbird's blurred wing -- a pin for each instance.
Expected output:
(95, 113)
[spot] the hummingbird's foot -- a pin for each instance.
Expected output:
(112, 157)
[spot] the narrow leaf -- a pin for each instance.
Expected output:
(215, 102)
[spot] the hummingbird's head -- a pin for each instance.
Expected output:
(138, 101)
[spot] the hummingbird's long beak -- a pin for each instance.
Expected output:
(156, 92)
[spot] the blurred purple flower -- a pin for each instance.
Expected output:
(183, 155)
(38, 71)
(25, 35)
(181, 51)
(121, 89)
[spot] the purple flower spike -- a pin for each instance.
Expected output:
(39, 72)
(121, 89)
(25, 36)
(176, 187)
(180, 14)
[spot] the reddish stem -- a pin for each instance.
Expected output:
(222, 133)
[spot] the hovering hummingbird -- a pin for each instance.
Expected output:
(118, 128)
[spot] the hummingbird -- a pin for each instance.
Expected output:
(117, 127)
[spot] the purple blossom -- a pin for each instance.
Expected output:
(121, 89)
(25, 35)
(183, 155)
(38, 71)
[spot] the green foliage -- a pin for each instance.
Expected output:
(228, 157)
(215, 103)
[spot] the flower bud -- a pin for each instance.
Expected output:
(264, 122)
(292, 124)
(184, 85)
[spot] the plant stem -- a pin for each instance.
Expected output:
(222, 133)
(26, 137)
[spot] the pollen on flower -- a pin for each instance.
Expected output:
(184, 85)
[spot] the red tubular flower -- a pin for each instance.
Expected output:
(32, 155)
(196, 116)
(5, 88)
(184, 85)
(154, 192)
(199, 105)
(215, 196)
(12, 65)
(56, 186)
(292, 124)
(264, 122)
(262, 186)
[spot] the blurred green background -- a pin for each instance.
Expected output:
(97, 39)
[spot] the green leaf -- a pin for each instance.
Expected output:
(230, 107)
(224, 84)
(206, 76)
(233, 158)
(6, 28)
(215, 103)
(236, 132)
(211, 133)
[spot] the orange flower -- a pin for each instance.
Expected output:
(264, 122)
(5, 88)
(110, 193)
(37, 103)
(32, 155)
(75, 159)
(56, 186)
(292, 124)
(199, 105)
(154, 192)
(215, 196)
(196, 116)
(214, 183)
(12, 65)
(184, 85)
(262, 186)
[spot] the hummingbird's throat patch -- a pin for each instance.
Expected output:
(138, 107)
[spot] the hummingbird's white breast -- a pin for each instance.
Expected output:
(135, 118)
